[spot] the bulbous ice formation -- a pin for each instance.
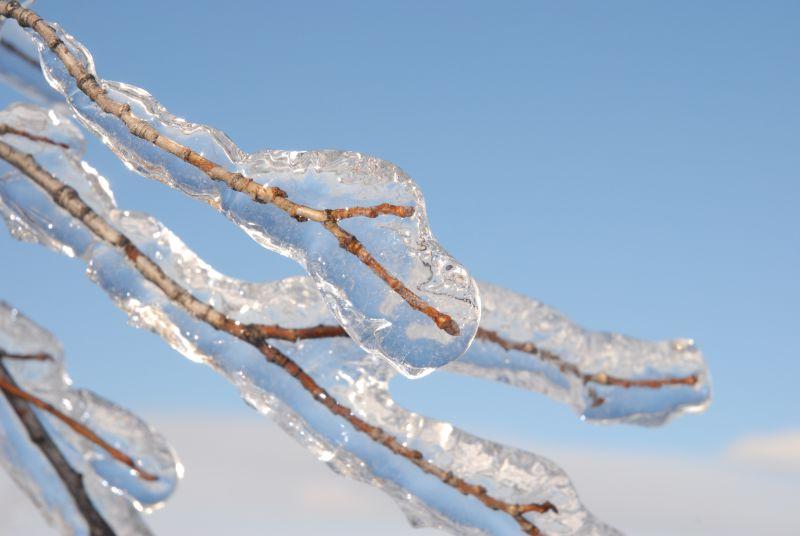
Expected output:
(372, 313)
(116, 491)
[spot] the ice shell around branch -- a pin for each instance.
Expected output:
(114, 488)
(357, 379)
(372, 313)
(576, 353)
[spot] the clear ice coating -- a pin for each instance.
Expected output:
(357, 379)
(371, 312)
(117, 492)
(19, 65)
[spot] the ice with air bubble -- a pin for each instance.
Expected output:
(117, 492)
(354, 377)
(372, 313)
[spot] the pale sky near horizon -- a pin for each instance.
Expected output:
(633, 164)
(258, 481)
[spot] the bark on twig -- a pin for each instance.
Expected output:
(384, 209)
(67, 198)
(72, 480)
(328, 218)
(274, 331)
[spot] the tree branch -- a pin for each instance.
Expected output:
(328, 218)
(68, 199)
(72, 480)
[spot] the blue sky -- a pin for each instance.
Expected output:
(635, 165)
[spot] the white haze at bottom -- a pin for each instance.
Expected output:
(246, 477)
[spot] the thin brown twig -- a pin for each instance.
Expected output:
(275, 331)
(8, 129)
(72, 480)
(565, 367)
(67, 198)
(26, 357)
(13, 49)
(384, 209)
(84, 431)
(329, 218)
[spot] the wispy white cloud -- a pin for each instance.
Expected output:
(777, 451)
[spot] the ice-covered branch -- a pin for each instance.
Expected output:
(329, 393)
(643, 382)
(10, 388)
(383, 308)
(71, 480)
(92, 466)
(68, 199)
(606, 377)
(19, 65)
(8, 129)
(675, 368)
(571, 369)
